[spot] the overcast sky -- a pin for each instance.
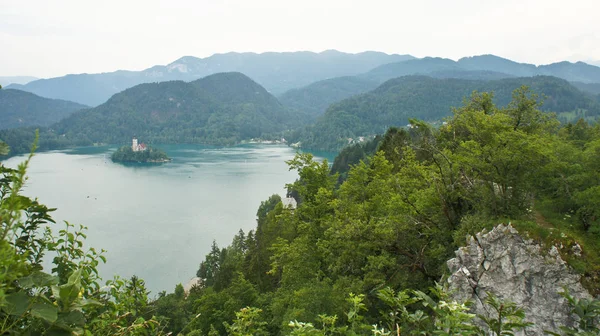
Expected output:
(48, 38)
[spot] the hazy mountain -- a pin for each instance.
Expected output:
(84, 88)
(416, 66)
(470, 74)
(426, 98)
(20, 109)
(6, 80)
(579, 71)
(277, 72)
(498, 64)
(575, 72)
(314, 99)
(223, 108)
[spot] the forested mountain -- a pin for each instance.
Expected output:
(219, 109)
(593, 88)
(277, 72)
(398, 100)
(22, 109)
(223, 108)
(579, 71)
(314, 99)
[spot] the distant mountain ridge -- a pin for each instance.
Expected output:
(316, 97)
(7, 80)
(22, 109)
(277, 72)
(579, 71)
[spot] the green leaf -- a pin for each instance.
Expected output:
(75, 277)
(17, 303)
(68, 294)
(72, 318)
(45, 311)
(90, 303)
(38, 279)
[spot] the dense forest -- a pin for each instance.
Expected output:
(356, 257)
(23, 109)
(397, 218)
(220, 109)
(593, 88)
(398, 100)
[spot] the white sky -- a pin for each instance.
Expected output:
(47, 38)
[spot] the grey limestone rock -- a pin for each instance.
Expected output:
(514, 269)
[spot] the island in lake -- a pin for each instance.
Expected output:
(139, 152)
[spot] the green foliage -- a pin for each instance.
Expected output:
(247, 323)
(4, 149)
(507, 317)
(387, 228)
(352, 155)
(588, 313)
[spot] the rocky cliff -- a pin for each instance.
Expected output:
(518, 270)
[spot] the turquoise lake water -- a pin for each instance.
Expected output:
(158, 221)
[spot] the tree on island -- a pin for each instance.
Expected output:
(127, 154)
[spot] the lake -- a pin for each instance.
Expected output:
(158, 221)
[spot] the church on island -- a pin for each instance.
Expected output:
(137, 147)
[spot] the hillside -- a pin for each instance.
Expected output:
(398, 100)
(22, 109)
(593, 88)
(579, 71)
(314, 99)
(220, 109)
(277, 72)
